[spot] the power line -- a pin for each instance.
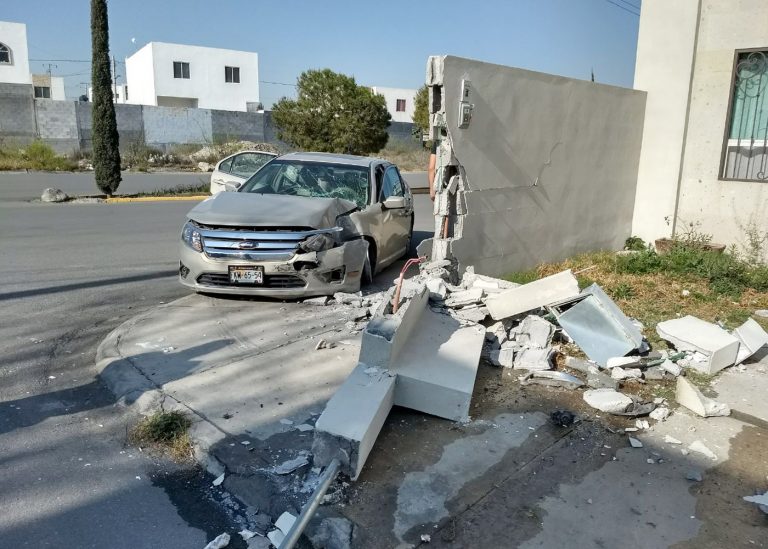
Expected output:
(630, 4)
(623, 8)
(276, 83)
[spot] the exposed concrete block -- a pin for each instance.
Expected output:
(533, 359)
(751, 338)
(607, 400)
(503, 357)
(534, 332)
(352, 419)
(533, 295)
(465, 297)
(689, 396)
(436, 369)
(437, 288)
(629, 373)
(693, 334)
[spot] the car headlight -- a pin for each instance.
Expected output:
(317, 243)
(191, 237)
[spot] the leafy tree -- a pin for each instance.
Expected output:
(106, 155)
(421, 111)
(331, 113)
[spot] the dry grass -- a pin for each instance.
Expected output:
(165, 433)
(653, 297)
(407, 158)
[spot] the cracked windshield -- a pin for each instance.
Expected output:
(311, 179)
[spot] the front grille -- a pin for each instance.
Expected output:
(270, 281)
(262, 244)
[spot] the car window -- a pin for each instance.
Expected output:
(226, 166)
(392, 186)
(246, 164)
(316, 179)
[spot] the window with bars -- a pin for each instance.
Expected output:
(232, 75)
(5, 55)
(745, 150)
(181, 69)
(400, 107)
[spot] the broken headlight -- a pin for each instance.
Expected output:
(191, 236)
(317, 243)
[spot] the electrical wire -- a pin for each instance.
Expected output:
(637, 14)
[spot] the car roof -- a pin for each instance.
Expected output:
(332, 158)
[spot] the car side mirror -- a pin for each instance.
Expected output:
(394, 203)
(231, 187)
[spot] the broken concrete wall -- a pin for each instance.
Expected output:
(546, 165)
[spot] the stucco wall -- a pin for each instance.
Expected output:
(722, 207)
(17, 113)
(57, 124)
(164, 125)
(391, 95)
(550, 165)
(239, 125)
(14, 35)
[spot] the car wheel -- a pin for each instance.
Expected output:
(366, 277)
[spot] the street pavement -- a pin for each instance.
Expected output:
(71, 274)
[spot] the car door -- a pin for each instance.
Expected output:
(396, 222)
(234, 170)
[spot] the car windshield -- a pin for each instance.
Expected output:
(315, 179)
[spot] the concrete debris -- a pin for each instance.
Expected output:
(321, 345)
(304, 427)
(321, 301)
(218, 542)
(343, 298)
(489, 284)
(654, 373)
(635, 443)
(259, 543)
(630, 373)
(642, 424)
(762, 313)
(53, 195)
(291, 465)
(218, 480)
(552, 379)
(694, 475)
(661, 413)
(533, 295)
(502, 357)
(751, 338)
(331, 533)
(689, 396)
(282, 526)
(595, 378)
(534, 332)
(534, 359)
(618, 361)
(607, 400)
(496, 334)
(700, 447)
(465, 297)
(426, 538)
(246, 534)
(471, 314)
(671, 440)
(671, 368)
(761, 500)
(693, 334)
(563, 418)
(286, 421)
(437, 289)
(583, 366)
(357, 314)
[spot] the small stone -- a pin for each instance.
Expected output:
(320, 345)
(53, 195)
(694, 475)
(671, 440)
(286, 421)
(700, 447)
(635, 443)
(671, 368)
(650, 460)
(660, 414)
(642, 424)
(426, 538)
(762, 313)
(685, 293)
(218, 480)
(607, 400)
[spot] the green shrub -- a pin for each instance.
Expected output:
(38, 155)
(635, 243)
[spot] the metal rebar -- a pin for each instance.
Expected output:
(308, 511)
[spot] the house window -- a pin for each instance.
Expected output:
(232, 75)
(42, 92)
(180, 69)
(5, 55)
(745, 151)
(400, 105)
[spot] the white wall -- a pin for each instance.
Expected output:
(150, 75)
(391, 95)
(57, 88)
(14, 35)
(120, 94)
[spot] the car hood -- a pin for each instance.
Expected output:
(269, 210)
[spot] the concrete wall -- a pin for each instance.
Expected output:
(549, 164)
(17, 112)
(14, 35)
(244, 125)
(391, 95)
(57, 124)
(163, 125)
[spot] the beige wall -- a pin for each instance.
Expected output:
(686, 70)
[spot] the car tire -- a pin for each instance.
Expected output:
(366, 277)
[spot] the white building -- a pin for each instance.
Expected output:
(400, 102)
(175, 75)
(14, 58)
(45, 86)
(704, 158)
(119, 93)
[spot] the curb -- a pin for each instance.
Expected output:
(121, 200)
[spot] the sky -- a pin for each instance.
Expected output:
(380, 43)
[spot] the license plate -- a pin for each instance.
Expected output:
(246, 274)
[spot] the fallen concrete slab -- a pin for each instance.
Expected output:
(689, 396)
(693, 334)
(533, 295)
(607, 400)
(751, 338)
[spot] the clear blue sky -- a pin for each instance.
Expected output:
(384, 42)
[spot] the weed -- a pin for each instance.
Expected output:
(38, 155)
(523, 277)
(166, 432)
(635, 244)
(622, 291)
(407, 155)
(180, 190)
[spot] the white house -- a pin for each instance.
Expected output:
(119, 93)
(704, 158)
(45, 86)
(14, 58)
(399, 102)
(175, 75)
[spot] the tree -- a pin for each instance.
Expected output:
(421, 111)
(331, 113)
(106, 155)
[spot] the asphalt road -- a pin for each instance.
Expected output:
(71, 273)
(29, 186)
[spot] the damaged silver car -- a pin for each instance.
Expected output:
(305, 224)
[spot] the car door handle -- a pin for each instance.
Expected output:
(217, 180)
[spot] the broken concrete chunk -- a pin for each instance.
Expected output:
(331, 533)
(437, 289)
(635, 443)
(246, 534)
(321, 301)
(654, 373)
(348, 299)
(291, 465)
(751, 338)
(630, 373)
(694, 475)
(689, 396)
(259, 543)
(465, 297)
(659, 414)
(285, 521)
(496, 334)
(701, 448)
(552, 379)
(534, 359)
(617, 361)
(761, 500)
(218, 542)
(503, 357)
(580, 365)
(607, 400)
(471, 314)
(218, 480)
(534, 332)
(533, 295)
(671, 440)
(762, 313)
(693, 334)
(671, 368)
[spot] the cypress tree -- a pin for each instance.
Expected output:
(106, 155)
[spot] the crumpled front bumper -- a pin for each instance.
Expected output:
(307, 274)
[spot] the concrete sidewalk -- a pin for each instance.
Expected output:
(249, 374)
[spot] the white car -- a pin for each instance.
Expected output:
(232, 171)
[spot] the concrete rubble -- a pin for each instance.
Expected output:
(533, 295)
(760, 500)
(607, 400)
(282, 526)
(718, 347)
(751, 337)
(689, 396)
